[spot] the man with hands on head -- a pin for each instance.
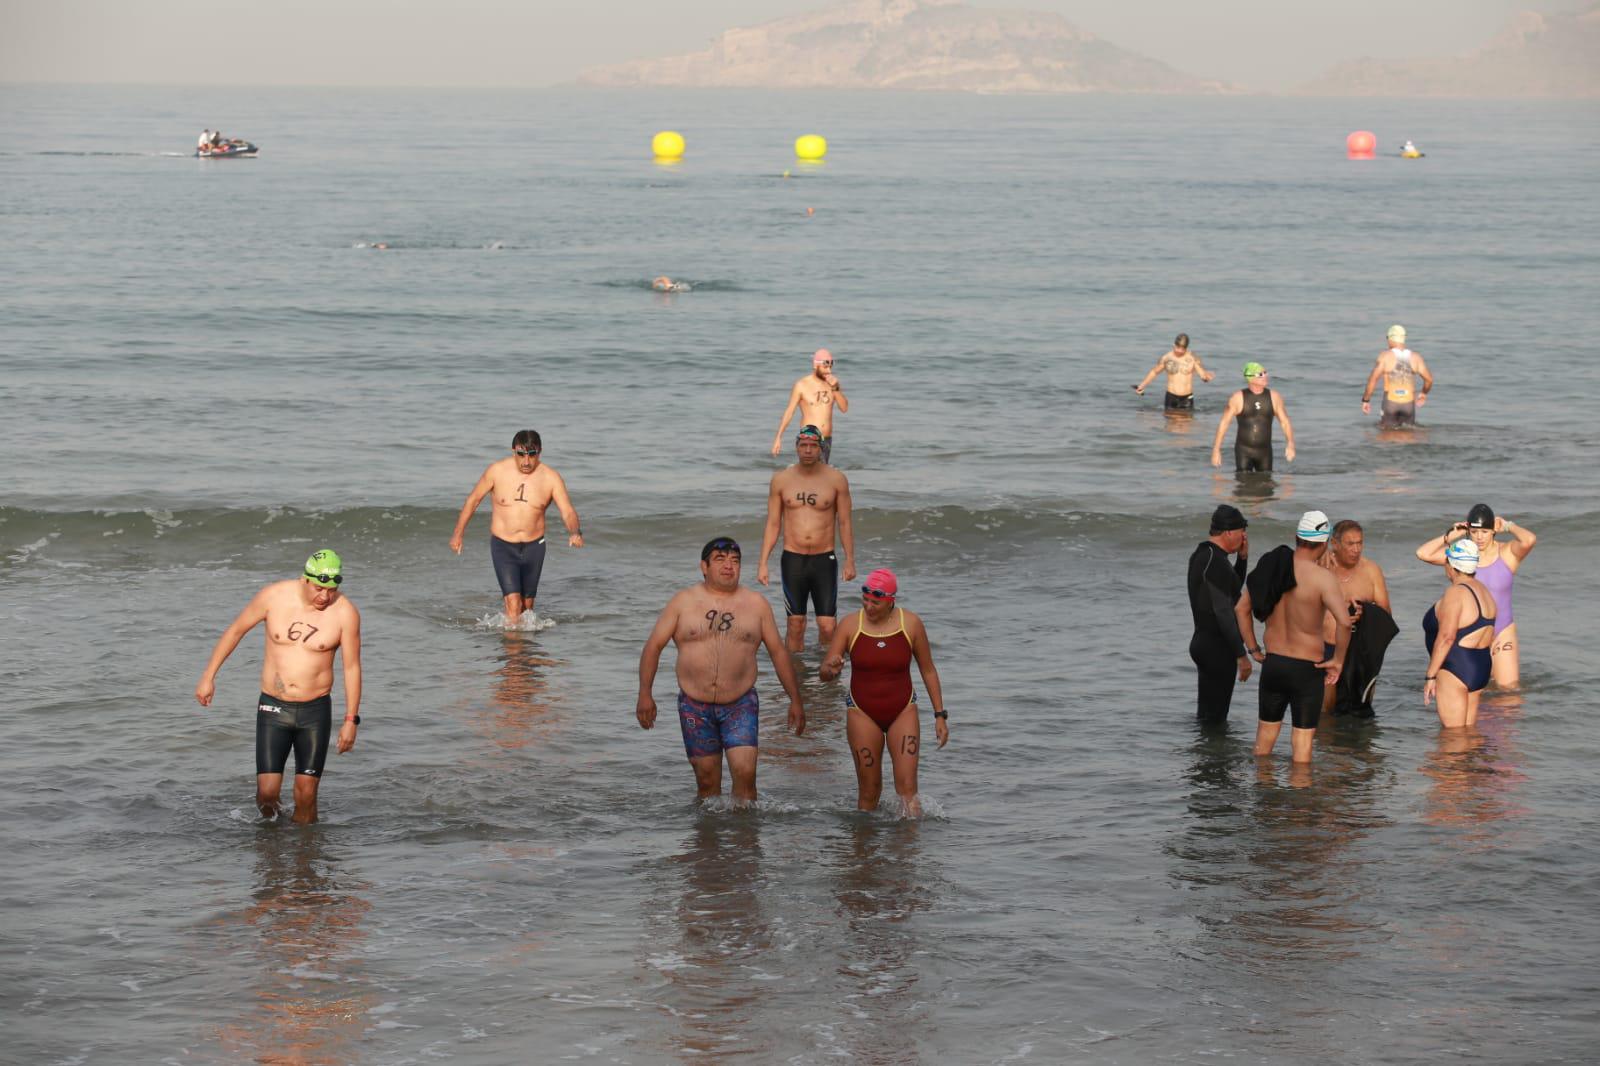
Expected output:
(1216, 648)
(816, 395)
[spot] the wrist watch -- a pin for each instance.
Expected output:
(941, 714)
(356, 719)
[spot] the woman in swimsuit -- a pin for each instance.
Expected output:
(881, 640)
(1458, 631)
(1497, 569)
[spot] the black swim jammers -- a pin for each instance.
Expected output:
(1174, 402)
(810, 576)
(517, 565)
(282, 725)
(1295, 684)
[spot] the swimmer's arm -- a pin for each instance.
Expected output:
(783, 666)
(1524, 543)
(1148, 378)
(1235, 405)
(833, 661)
(1288, 428)
(1432, 551)
(569, 513)
(474, 498)
(788, 413)
(1205, 375)
(847, 529)
(350, 651)
(924, 653)
(650, 660)
(1371, 385)
(769, 532)
(1333, 603)
(1421, 367)
(254, 613)
(1246, 623)
(1446, 638)
(1380, 589)
(839, 399)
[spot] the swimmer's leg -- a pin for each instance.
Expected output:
(1451, 695)
(791, 568)
(269, 787)
(1504, 668)
(305, 798)
(1300, 744)
(707, 775)
(742, 768)
(273, 743)
(905, 738)
(1267, 736)
(314, 727)
(866, 748)
(825, 596)
(516, 604)
(825, 630)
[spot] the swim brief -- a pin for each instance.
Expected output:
(709, 728)
(517, 565)
(1174, 402)
(1396, 415)
(810, 576)
(1291, 683)
(304, 727)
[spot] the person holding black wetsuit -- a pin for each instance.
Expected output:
(1214, 586)
(1255, 406)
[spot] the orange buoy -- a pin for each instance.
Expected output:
(1362, 144)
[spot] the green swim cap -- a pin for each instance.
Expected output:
(325, 568)
(1253, 370)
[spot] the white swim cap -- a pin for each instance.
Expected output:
(1463, 555)
(1314, 526)
(1397, 333)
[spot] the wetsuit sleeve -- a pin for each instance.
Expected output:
(1222, 608)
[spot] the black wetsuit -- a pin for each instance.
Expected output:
(1252, 446)
(1214, 587)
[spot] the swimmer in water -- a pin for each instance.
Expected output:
(717, 626)
(1181, 365)
(1458, 646)
(816, 395)
(666, 284)
(308, 621)
(881, 640)
(804, 503)
(1498, 565)
(1400, 368)
(521, 489)
(1255, 407)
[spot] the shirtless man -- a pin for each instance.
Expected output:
(307, 622)
(716, 626)
(1181, 365)
(522, 489)
(1400, 368)
(1361, 582)
(1255, 407)
(816, 395)
(1297, 668)
(804, 500)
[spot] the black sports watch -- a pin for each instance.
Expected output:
(356, 719)
(941, 714)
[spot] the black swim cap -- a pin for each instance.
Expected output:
(1227, 518)
(1480, 517)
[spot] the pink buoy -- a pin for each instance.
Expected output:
(1362, 144)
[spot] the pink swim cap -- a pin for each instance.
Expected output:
(883, 581)
(822, 356)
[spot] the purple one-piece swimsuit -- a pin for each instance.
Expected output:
(1497, 578)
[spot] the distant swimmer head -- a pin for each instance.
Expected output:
(1480, 517)
(1462, 555)
(1182, 342)
(720, 546)
(326, 569)
(1397, 332)
(823, 357)
(880, 585)
(1227, 518)
(661, 284)
(1314, 528)
(1254, 370)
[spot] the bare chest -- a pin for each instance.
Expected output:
(801, 497)
(528, 491)
(709, 623)
(314, 631)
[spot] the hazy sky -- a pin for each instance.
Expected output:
(1262, 44)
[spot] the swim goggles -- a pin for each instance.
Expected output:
(326, 579)
(525, 452)
(877, 594)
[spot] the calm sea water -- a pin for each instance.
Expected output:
(208, 371)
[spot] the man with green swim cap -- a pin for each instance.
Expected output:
(308, 620)
(1255, 406)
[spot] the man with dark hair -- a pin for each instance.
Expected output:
(1216, 647)
(804, 503)
(1361, 586)
(1291, 592)
(1181, 365)
(717, 626)
(522, 489)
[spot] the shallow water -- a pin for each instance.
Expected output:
(210, 371)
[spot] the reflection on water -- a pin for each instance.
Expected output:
(523, 708)
(1476, 772)
(303, 930)
(713, 943)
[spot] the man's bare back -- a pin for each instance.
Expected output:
(1295, 626)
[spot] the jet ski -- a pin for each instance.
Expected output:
(226, 150)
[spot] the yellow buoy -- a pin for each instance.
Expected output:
(667, 145)
(810, 146)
